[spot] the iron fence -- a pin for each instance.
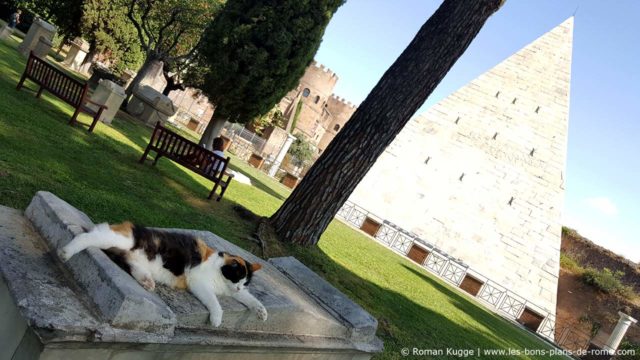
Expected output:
(454, 271)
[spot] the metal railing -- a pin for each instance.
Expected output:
(491, 293)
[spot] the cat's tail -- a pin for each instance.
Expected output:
(101, 236)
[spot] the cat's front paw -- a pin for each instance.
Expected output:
(261, 312)
(216, 318)
(65, 254)
(148, 283)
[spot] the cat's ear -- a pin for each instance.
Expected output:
(255, 267)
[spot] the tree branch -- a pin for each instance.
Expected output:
(174, 15)
(143, 43)
(145, 25)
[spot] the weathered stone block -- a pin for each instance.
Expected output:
(107, 315)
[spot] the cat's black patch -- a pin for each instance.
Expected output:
(178, 251)
(119, 257)
(235, 271)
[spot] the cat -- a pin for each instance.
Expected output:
(178, 260)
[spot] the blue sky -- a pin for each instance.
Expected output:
(602, 196)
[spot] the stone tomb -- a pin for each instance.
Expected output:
(78, 50)
(38, 29)
(150, 106)
(90, 308)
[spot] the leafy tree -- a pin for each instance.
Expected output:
(107, 28)
(64, 14)
(256, 51)
(168, 30)
(275, 117)
(301, 150)
(400, 92)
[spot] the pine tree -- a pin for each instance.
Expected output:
(400, 92)
(256, 51)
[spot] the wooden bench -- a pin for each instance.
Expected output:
(190, 155)
(70, 90)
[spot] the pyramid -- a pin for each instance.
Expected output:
(480, 174)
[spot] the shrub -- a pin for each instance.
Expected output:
(607, 281)
(633, 349)
(570, 264)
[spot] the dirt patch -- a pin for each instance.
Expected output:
(587, 311)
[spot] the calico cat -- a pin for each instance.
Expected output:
(178, 260)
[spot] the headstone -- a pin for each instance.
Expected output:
(111, 95)
(78, 50)
(42, 47)
(150, 106)
(39, 28)
(127, 76)
(88, 308)
(5, 32)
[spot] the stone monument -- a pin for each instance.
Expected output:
(88, 308)
(43, 46)
(111, 95)
(150, 106)
(78, 50)
(480, 176)
(5, 32)
(39, 28)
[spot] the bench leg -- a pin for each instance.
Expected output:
(95, 120)
(145, 154)
(223, 189)
(74, 117)
(22, 79)
(156, 159)
(39, 92)
(213, 191)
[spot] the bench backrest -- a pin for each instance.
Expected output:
(55, 81)
(188, 153)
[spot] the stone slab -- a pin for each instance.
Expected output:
(361, 324)
(118, 296)
(291, 311)
(298, 326)
(35, 282)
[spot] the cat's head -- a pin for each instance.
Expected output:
(236, 271)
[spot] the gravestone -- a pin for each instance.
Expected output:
(111, 95)
(39, 28)
(5, 32)
(78, 50)
(88, 308)
(43, 46)
(150, 106)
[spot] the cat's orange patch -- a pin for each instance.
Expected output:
(125, 228)
(204, 250)
(255, 267)
(181, 282)
(228, 259)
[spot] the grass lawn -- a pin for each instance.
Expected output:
(99, 174)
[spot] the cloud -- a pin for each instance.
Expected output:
(603, 204)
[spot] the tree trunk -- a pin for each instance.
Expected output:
(212, 131)
(389, 106)
(142, 73)
(172, 84)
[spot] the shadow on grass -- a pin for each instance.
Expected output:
(405, 323)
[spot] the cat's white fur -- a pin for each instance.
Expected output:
(205, 281)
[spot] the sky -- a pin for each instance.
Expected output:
(602, 197)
